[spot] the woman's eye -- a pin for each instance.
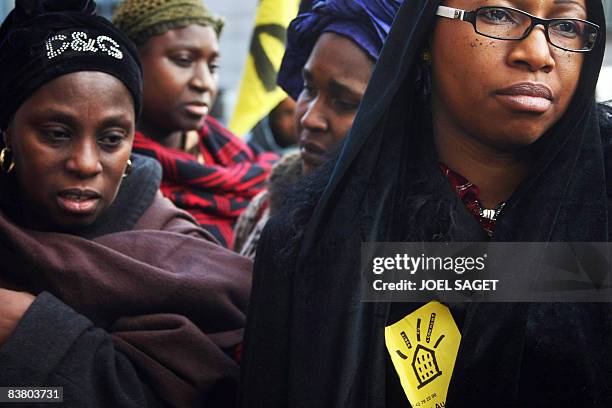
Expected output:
(182, 60)
(111, 140)
(56, 135)
(497, 16)
(345, 106)
(567, 28)
(213, 67)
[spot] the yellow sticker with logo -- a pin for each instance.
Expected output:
(423, 347)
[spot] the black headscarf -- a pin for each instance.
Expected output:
(41, 40)
(311, 341)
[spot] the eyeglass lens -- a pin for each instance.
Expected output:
(511, 24)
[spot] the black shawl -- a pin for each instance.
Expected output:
(310, 339)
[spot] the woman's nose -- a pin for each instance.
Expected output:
(84, 160)
(314, 116)
(533, 52)
(202, 79)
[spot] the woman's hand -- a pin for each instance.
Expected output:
(13, 306)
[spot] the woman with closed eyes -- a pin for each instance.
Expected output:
(330, 54)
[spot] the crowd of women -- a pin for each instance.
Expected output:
(130, 217)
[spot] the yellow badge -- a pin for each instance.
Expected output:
(423, 347)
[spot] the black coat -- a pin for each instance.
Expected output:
(310, 340)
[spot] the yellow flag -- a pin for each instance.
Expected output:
(259, 93)
(423, 347)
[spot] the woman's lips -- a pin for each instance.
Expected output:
(526, 97)
(312, 154)
(196, 109)
(78, 202)
(526, 103)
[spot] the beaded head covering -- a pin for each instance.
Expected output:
(143, 19)
(41, 40)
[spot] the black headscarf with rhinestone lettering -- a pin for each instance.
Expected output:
(41, 40)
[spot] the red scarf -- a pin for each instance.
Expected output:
(468, 193)
(215, 192)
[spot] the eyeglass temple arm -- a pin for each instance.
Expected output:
(450, 12)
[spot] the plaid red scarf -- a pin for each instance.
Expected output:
(215, 192)
(468, 193)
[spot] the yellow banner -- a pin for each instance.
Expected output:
(259, 93)
(423, 347)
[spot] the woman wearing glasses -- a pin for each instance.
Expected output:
(479, 123)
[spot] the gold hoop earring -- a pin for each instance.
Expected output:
(128, 168)
(3, 158)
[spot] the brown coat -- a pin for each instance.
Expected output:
(171, 299)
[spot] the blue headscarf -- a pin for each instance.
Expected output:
(366, 22)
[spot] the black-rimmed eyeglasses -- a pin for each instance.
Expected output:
(506, 23)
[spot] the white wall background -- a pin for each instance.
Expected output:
(239, 19)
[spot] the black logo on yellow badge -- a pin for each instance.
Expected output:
(425, 365)
(424, 362)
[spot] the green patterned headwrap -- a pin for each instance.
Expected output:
(143, 19)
